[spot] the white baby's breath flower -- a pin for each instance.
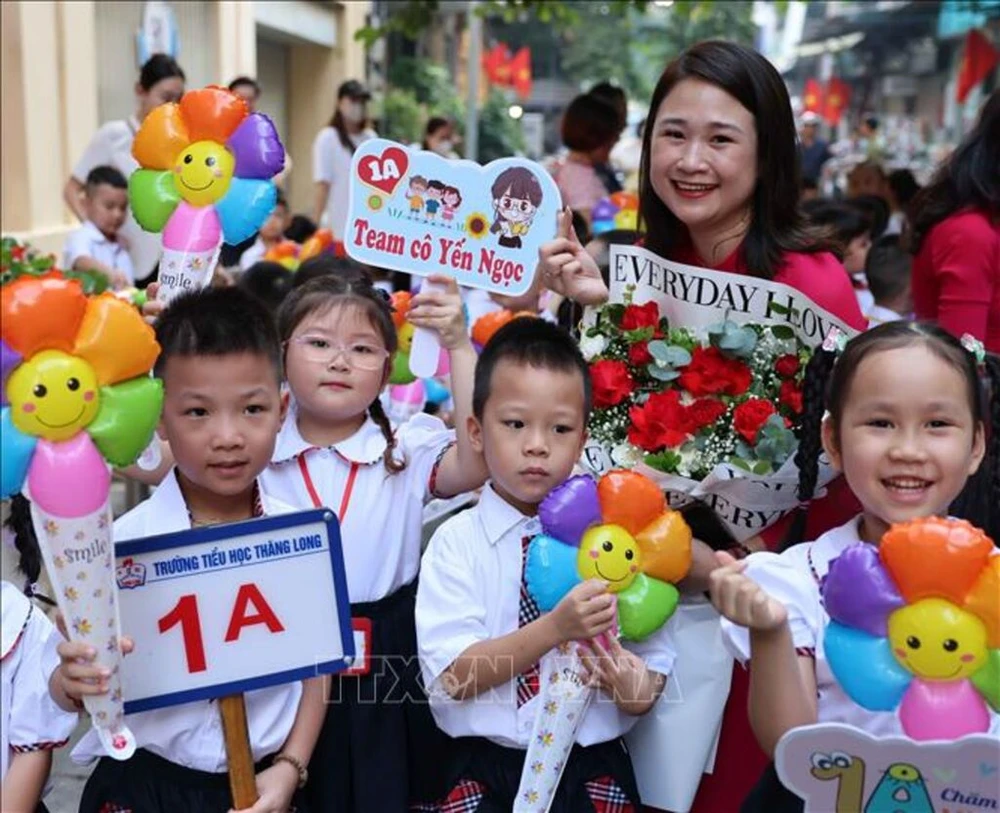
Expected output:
(690, 457)
(592, 346)
(626, 455)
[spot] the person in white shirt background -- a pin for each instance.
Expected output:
(484, 648)
(333, 149)
(161, 80)
(270, 234)
(908, 429)
(31, 724)
(98, 245)
(888, 269)
(221, 369)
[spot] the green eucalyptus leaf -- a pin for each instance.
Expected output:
(740, 464)
(662, 373)
(762, 467)
(782, 332)
(659, 350)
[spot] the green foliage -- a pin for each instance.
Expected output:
(401, 116)
(19, 259)
(500, 136)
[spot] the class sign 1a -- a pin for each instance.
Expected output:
(232, 608)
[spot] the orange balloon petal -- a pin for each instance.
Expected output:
(630, 500)
(115, 340)
(400, 307)
(935, 558)
(488, 324)
(984, 601)
(41, 313)
(161, 138)
(212, 113)
(666, 547)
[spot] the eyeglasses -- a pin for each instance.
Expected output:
(359, 355)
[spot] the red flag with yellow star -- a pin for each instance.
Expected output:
(838, 97)
(812, 96)
(979, 59)
(520, 72)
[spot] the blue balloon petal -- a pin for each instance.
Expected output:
(16, 450)
(550, 571)
(244, 208)
(865, 667)
(437, 393)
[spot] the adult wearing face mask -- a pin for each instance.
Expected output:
(440, 137)
(161, 80)
(332, 151)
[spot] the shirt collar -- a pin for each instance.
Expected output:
(499, 517)
(174, 513)
(16, 611)
(366, 446)
(97, 234)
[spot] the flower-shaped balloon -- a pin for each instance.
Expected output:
(404, 332)
(206, 169)
(620, 530)
(915, 624)
(617, 211)
(75, 391)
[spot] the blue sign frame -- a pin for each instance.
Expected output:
(233, 530)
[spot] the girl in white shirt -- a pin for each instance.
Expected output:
(907, 427)
(31, 724)
(161, 80)
(379, 748)
(333, 150)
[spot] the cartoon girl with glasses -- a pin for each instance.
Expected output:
(517, 194)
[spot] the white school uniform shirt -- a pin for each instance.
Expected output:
(191, 734)
(877, 315)
(253, 254)
(112, 146)
(381, 514)
(29, 718)
(332, 164)
(470, 591)
(89, 241)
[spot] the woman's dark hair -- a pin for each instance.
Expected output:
(904, 186)
(19, 524)
(844, 220)
(969, 178)
(776, 224)
(434, 123)
(616, 97)
(157, 68)
(350, 286)
(826, 388)
(354, 90)
(300, 229)
(589, 123)
(876, 209)
(245, 81)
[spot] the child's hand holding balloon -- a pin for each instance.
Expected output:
(441, 311)
(740, 599)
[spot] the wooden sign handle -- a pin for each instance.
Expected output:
(242, 781)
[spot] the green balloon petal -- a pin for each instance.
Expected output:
(128, 416)
(644, 607)
(400, 373)
(152, 197)
(987, 679)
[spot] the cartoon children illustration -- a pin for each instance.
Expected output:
(517, 195)
(415, 194)
(451, 199)
(435, 190)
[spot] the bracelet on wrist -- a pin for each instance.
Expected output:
(296, 763)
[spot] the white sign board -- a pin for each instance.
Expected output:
(231, 608)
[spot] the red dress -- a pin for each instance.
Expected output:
(739, 761)
(956, 276)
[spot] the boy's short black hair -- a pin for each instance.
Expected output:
(105, 176)
(300, 229)
(249, 82)
(533, 342)
(888, 268)
(217, 322)
(269, 281)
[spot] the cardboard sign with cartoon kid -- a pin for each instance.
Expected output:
(414, 211)
(840, 769)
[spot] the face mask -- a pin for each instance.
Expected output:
(353, 112)
(443, 148)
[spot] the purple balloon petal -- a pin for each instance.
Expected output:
(258, 150)
(569, 509)
(604, 209)
(858, 591)
(9, 359)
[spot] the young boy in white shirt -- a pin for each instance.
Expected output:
(888, 269)
(221, 368)
(97, 244)
(484, 648)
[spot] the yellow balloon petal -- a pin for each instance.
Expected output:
(161, 138)
(115, 340)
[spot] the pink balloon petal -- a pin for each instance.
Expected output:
(69, 479)
(192, 228)
(938, 710)
(411, 394)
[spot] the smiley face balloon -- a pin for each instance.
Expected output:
(620, 531)
(915, 626)
(54, 395)
(203, 172)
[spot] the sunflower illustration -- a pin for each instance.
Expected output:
(476, 225)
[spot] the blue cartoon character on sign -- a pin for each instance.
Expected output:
(435, 191)
(517, 194)
(900, 790)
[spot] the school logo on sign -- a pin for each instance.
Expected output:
(130, 574)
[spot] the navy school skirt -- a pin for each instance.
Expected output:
(148, 783)
(379, 750)
(484, 778)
